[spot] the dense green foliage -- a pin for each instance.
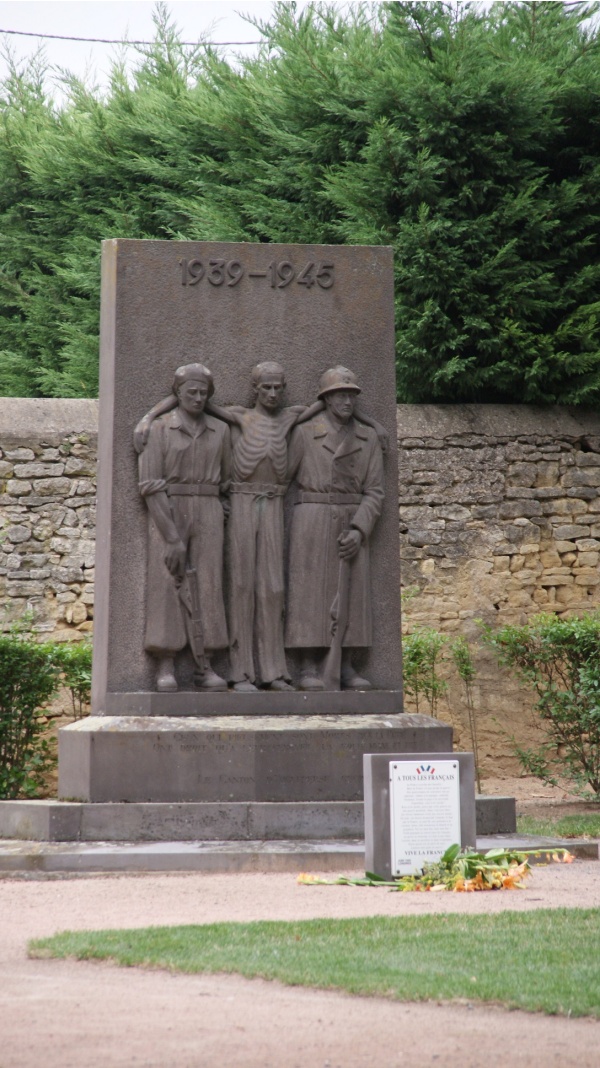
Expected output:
(464, 663)
(425, 652)
(422, 650)
(545, 960)
(74, 663)
(28, 679)
(30, 675)
(560, 660)
(468, 139)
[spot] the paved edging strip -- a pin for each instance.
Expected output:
(226, 857)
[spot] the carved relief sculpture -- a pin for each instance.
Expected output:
(338, 467)
(259, 473)
(184, 462)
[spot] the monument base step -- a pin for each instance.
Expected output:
(583, 849)
(207, 857)
(64, 821)
(225, 857)
(274, 758)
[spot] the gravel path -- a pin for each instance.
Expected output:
(74, 1015)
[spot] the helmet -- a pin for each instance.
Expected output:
(338, 378)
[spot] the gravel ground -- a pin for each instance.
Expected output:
(74, 1015)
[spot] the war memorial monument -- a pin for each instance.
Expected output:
(247, 617)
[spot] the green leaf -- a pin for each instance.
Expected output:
(450, 855)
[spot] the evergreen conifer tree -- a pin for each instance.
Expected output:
(466, 138)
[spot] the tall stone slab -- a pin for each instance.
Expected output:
(230, 306)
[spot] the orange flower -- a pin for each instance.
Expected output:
(512, 882)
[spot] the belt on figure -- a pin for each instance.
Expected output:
(329, 498)
(258, 489)
(192, 489)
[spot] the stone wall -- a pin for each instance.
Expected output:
(499, 513)
(500, 519)
(47, 514)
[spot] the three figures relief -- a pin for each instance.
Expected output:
(214, 479)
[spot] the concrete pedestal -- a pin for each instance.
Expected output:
(233, 759)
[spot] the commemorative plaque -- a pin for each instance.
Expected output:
(424, 812)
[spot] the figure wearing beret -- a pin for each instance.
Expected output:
(185, 462)
(337, 464)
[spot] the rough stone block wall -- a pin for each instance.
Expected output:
(499, 519)
(47, 514)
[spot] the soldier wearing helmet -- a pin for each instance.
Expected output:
(337, 464)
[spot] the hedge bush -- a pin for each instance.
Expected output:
(29, 678)
(74, 662)
(30, 675)
(559, 658)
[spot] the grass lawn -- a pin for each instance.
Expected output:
(545, 960)
(586, 825)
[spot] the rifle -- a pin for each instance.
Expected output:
(190, 599)
(332, 670)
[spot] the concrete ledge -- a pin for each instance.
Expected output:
(60, 821)
(262, 703)
(495, 815)
(583, 850)
(495, 420)
(40, 821)
(183, 856)
(64, 821)
(226, 857)
(31, 419)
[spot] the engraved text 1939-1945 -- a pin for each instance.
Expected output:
(280, 274)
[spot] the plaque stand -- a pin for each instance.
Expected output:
(379, 848)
